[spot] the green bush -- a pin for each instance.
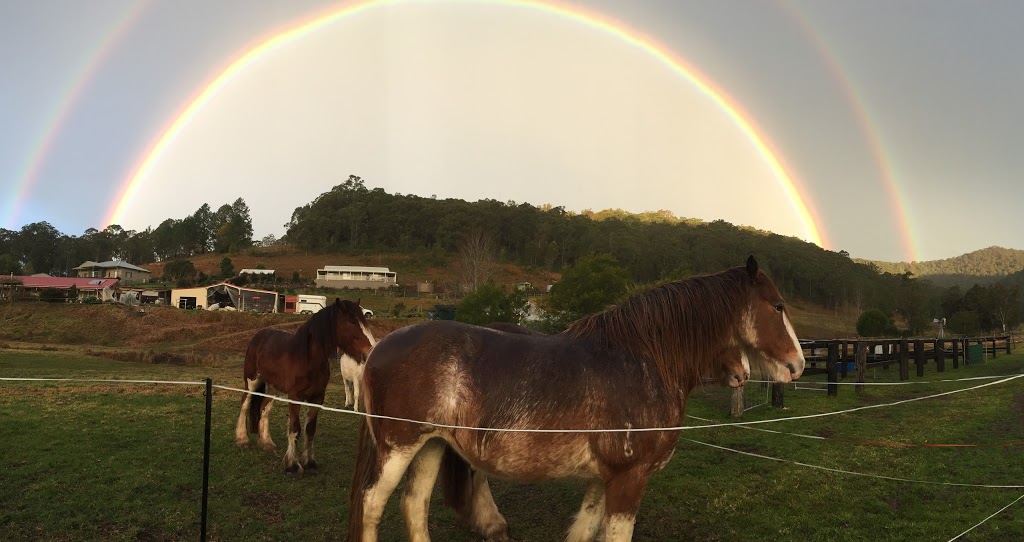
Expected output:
(490, 303)
(964, 323)
(875, 323)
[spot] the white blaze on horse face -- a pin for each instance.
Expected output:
(745, 361)
(796, 345)
(369, 336)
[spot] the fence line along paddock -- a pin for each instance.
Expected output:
(209, 386)
(836, 358)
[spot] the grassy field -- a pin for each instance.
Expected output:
(95, 461)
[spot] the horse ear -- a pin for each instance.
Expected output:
(752, 267)
(337, 302)
(359, 302)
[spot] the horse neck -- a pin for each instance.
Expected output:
(682, 330)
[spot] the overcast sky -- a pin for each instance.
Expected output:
(899, 123)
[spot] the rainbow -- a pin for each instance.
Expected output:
(896, 199)
(55, 121)
(808, 216)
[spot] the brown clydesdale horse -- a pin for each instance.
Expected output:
(299, 365)
(631, 366)
(466, 489)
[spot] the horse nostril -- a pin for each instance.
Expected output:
(746, 376)
(792, 368)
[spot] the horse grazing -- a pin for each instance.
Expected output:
(298, 365)
(628, 367)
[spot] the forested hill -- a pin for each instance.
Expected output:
(650, 246)
(983, 266)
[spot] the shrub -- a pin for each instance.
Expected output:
(875, 323)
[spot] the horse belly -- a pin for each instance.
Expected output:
(531, 457)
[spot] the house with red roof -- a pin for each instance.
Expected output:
(102, 289)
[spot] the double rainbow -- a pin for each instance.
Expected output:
(808, 217)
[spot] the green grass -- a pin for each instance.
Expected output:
(124, 462)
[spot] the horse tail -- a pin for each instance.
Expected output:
(364, 475)
(456, 482)
(255, 407)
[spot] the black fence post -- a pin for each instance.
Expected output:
(940, 355)
(919, 356)
(956, 353)
(904, 359)
(833, 354)
(206, 458)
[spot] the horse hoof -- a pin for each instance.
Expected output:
(269, 446)
(242, 443)
(311, 467)
(294, 470)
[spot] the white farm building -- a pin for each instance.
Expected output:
(355, 277)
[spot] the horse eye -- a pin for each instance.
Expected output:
(779, 307)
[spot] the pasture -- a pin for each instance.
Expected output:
(91, 461)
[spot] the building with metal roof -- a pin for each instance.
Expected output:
(128, 273)
(355, 277)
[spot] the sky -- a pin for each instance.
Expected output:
(890, 130)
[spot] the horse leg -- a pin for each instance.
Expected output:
(420, 484)
(291, 464)
(623, 492)
(466, 491)
(357, 383)
(308, 462)
(588, 520)
(484, 517)
(348, 390)
(241, 429)
(265, 441)
(391, 463)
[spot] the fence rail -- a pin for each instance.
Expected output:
(837, 358)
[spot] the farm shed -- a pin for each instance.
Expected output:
(349, 276)
(102, 289)
(224, 295)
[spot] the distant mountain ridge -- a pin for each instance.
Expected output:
(984, 266)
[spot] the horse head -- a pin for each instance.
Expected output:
(734, 370)
(351, 330)
(766, 333)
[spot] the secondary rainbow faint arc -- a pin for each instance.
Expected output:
(814, 232)
(59, 115)
(872, 134)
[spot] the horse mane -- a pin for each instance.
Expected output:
(321, 328)
(680, 326)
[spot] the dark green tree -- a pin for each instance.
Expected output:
(227, 269)
(963, 323)
(875, 323)
(491, 303)
(180, 271)
(588, 287)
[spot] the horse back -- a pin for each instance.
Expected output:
(506, 373)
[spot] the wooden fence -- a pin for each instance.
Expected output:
(836, 358)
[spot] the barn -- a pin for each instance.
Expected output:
(224, 295)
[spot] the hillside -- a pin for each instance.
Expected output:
(984, 266)
(166, 334)
(411, 268)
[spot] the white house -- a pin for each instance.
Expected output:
(347, 276)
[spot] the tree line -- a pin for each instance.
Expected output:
(41, 248)
(648, 247)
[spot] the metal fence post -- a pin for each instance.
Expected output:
(206, 458)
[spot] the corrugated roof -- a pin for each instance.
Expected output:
(66, 282)
(111, 264)
(257, 271)
(355, 268)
